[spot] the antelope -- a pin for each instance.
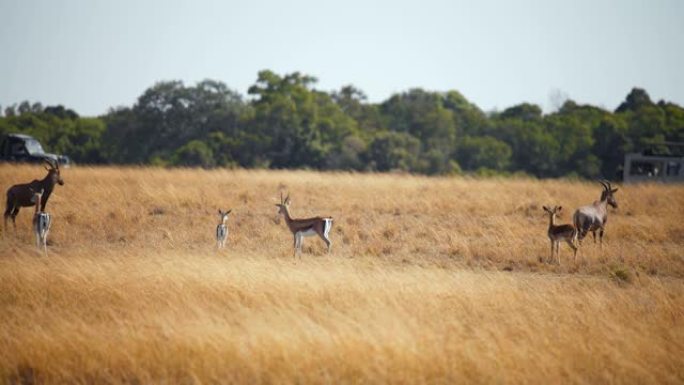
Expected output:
(304, 227)
(21, 195)
(41, 222)
(558, 233)
(222, 229)
(594, 216)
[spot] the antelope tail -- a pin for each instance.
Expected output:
(327, 226)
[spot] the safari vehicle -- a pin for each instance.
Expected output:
(651, 166)
(641, 167)
(25, 148)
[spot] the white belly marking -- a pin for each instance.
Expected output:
(306, 233)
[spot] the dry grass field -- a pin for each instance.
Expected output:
(431, 280)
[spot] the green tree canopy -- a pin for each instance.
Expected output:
(285, 122)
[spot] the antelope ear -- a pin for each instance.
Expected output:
(560, 208)
(545, 208)
(228, 212)
(613, 190)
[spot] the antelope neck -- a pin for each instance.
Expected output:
(286, 214)
(602, 203)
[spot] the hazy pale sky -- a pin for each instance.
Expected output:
(90, 55)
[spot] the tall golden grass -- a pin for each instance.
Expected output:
(431, 280)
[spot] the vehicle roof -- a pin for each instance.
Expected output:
(20, 136)
(640, 156)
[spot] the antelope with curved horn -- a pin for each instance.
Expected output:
(304, 227)
(222, 229)
(21, 195)
(558, 233)
(594, 216)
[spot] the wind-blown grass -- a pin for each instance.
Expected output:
(431, 280)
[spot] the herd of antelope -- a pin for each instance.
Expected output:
(589, 218)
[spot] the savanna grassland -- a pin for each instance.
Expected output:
(431, 280)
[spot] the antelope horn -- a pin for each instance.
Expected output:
(281, 197)
(608, 184)
(605, 186)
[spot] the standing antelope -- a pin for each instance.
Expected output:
(558, 233)
(594, 216)
(304, 227)
(41, 222)
(21, 195)
(222, 229)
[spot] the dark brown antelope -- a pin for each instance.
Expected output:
(594, 216)
(21, 195)
(558, 233)
(304, 227)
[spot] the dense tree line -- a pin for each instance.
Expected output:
(285, 122)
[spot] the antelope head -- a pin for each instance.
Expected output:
(52, 168)
(607, 194)
(223, 215)
(555, 210)
(282, 207)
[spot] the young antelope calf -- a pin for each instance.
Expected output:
(41, 222)
(222, 229)
(558, 233)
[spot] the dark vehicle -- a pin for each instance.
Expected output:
(24, 148)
